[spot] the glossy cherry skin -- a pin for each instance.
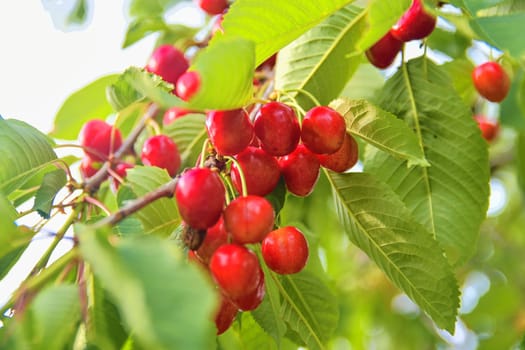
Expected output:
(260, 170)
(254, 299)
(342, 159)
(285, 250)
(99, 139)
(384, 51)
(225, 315)
(168, 62)
(489, 129)
(174, 113)
(200, 197)
(215, 237)
(300, 170)
(277, 128)
(416, 23)
(230, 131)
(249, 219)
(121, 169)
(491, 81)
(236, 270)
(162, 152)
(89, 167)
(188, 85)
(323, 130)
(212, 7)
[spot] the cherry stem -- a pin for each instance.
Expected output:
(99, 204)
(204, 150)
(241, 174)
(304, 92)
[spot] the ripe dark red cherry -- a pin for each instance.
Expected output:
(225, 315)
(285, 250)
(491, 81)
(230, 131)
(260, 170)
(215, 237)
(212, 7)
(323, 130)
(300, 170)
(99, 139)
(416, 23)
(188, 85)
(167, 62)
(489, 129)
(254, 299)
(162, 152)
(236, 270)
(249, 219)
(121, 169)
(342, 159)
(277, 128)
(384, 52)
(200, 197)
(89, 167)
(173, 113)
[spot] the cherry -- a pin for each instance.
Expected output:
(229, 131)
(168, 62)
(236, 270)
(162, 152)
(323, 130)
(121, 170)
(300, 170)
(99, 139)
(277, 128)
(212, 7)
(215, 237)
(416, 23)
(491, 81)
(489, 129)
(342, 159)
(174, 113)
(200, 197)
(225, 315)
(254, 299)
(269, 63)
(260, 170)
(89, 167)
(188, 85)
(384, 51)
(249, 219)
(285, 250)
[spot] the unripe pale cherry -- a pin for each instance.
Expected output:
(261, 171)
(162, 152)
(277, 128)
(285, 250)
(230, 131)
(200, 197)
(323, 130)
(416, 23)
(342, 159)
(188, 85)
(99, 139)
(384, 51)
(300, 170)
(491, 81)
(168, 62)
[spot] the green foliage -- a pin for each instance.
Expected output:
(188, 133)
(51, 184)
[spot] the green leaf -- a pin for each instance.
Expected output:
(252, 336)
(272, 24)
(83, 105)
(51, 320)
(142, 27)
(453, 44)
(520, 162)
(78, 14)
(450, 198)
(51, 184)
(495, 30)
(462, 82)
(166, 303)
(512, 112)
(308, 307)
(476, 5)
(160, 217)
(129, 226)
(380, 129)
(364, 84)
(142, 8)
(378, 222)
(188, 133)
(25, 150)
(321, 60)
(381, 16)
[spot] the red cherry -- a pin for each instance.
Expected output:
(89, 167)
(491, 81)
(300, 170)
(167, 62)
(254, 299)
(162, 152)
(416, 23)
(215, 237)
(121, 169)
(323, 130)
(174, 113)
(236, 270)
(225, 315)
(384, 51)
(260, 170)
(489, 129)
(230, 131)
(249, 219)
(277, 128)
(342, 159)
(200, 197)
(188, 85)
(99, 139)
(212, 7)
(285, 250)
